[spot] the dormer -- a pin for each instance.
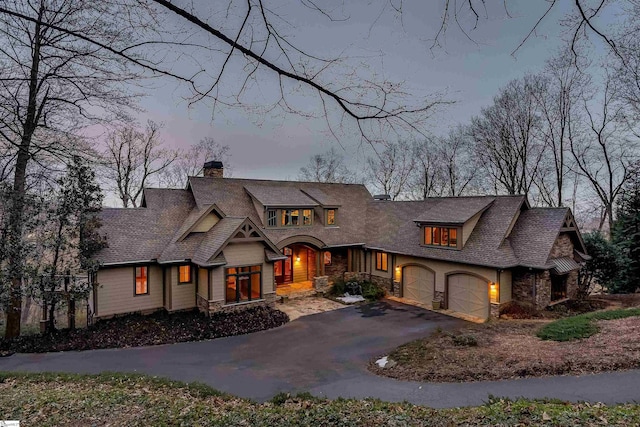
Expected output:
(282, 206)
(449, 222)
(327, 208)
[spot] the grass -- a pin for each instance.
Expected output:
(582, 326)
(124, 399)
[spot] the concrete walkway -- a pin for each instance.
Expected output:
(325, 354)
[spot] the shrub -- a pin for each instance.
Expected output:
(371, 292)
(339, 288)
(465, 340)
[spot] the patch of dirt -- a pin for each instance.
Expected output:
(159, 328)
(565, 309)
(509, 349)
(296, 308)
(619, 300)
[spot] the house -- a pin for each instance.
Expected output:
(226, 244)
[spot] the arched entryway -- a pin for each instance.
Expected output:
(296, 272)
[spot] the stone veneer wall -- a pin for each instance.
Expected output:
(384, 283)
(338, 265)
(216, 306)
(523, 282)
(562, 247)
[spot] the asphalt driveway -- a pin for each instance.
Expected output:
(325, 354)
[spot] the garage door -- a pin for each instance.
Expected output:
(417, 284)
(469, 295)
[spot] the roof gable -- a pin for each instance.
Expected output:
(453, 210)
(278, 196)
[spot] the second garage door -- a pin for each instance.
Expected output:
(418, 284)
(469, 295)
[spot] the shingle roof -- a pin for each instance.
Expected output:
(534, 234)
(390, 226)
(153, 232)
(280, 196)
(143, 233)
(453, 210)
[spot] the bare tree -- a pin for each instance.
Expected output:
(427, 178)
(133, 158)
(506, 137)
(327, 167)
(457, 160)
(52, 83)
(390, 170)
(558, 96)
(190, 162)
(604, 151)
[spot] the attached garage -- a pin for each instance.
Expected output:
(468, 294)
(418, 284)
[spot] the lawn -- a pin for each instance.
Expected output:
(511, 349)
(118, 399)
(582, 326)
(158, 328)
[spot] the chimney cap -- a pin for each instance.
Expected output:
(213, 164)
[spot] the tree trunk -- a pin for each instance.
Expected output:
(16, 220)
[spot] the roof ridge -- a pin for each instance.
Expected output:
(278, 180)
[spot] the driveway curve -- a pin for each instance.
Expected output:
(325, 354)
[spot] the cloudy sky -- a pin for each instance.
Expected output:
(469, 71)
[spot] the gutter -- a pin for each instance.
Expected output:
(111, 264)
(342, 245)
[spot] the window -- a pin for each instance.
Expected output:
(327, 258)
(243, 284)
(141, 281)
(331, 217)
(382, 261)
(307, 216)
(272, 218)
(184, 274)
(441, 236)
(558, 287)
(290, 217)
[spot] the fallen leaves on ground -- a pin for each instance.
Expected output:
(157, 328)
(509, 349)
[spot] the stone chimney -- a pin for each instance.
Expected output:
(213, 169)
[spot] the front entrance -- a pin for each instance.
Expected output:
(299, 266)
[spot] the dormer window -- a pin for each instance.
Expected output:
(441, 236)
(289, 217)
(330, 216)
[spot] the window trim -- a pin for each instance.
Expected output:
(180, 282)
(383, 255)
(135, 278)
(226, 278)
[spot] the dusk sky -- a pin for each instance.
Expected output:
(470, 72)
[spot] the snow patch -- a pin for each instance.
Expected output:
(351, 299)
(383, 361)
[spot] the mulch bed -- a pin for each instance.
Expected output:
(158, 328)
(507, 349)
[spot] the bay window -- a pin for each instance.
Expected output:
(243, 284)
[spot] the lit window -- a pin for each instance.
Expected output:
(184, 274)
(290, 217)
(327, 258)
(382, 261)
(331, 217)
(141, 283)
(441, 236)
(307, 216)
(243, 284)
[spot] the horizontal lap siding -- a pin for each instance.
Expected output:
(203, 282)
(183, 295)
(116, 288)
(241, 254)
